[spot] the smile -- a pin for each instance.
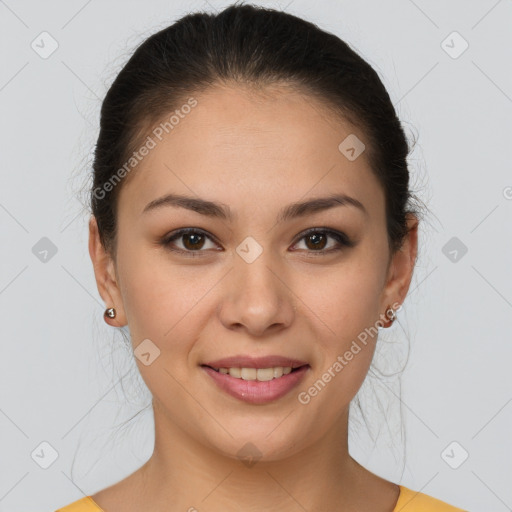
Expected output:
(256, 386)
(259, 374)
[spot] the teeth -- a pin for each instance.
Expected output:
(259, 374)
(264, 374)
(235, 372)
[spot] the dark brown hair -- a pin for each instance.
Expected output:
(259, 47)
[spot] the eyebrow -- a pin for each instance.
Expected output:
(221, 211)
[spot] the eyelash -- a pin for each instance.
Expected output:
(341, 238)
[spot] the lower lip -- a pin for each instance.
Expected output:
(254, 391)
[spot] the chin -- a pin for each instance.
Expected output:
(267, 440)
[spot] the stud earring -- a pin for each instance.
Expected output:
(390, 315)
(110, 313)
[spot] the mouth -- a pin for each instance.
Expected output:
(256, 381)
(259, 374)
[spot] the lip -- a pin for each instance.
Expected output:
(254, 391)
(255, 362)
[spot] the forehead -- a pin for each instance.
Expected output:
(239, 146)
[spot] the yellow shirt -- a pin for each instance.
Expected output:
(408, 501)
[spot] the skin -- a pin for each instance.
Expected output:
(254, 152)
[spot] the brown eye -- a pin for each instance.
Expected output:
(316, 241)
(193, 242)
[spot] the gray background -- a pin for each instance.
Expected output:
(62, 367)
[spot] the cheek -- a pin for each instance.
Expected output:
(344, 357)
(161, 300)
(345, 299)
(344, 305)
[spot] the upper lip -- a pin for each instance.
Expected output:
(255, 362)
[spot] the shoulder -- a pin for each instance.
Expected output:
(412, 501)
(86, 504)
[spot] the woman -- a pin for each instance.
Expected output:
(252, 225)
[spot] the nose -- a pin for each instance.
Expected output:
(257, 298)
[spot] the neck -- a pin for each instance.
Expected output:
(187, 475)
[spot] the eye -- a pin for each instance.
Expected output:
(192, 239)
(316, 240)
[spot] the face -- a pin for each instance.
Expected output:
(301, 287)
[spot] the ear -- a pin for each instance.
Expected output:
(401, 267)
(106, 280)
